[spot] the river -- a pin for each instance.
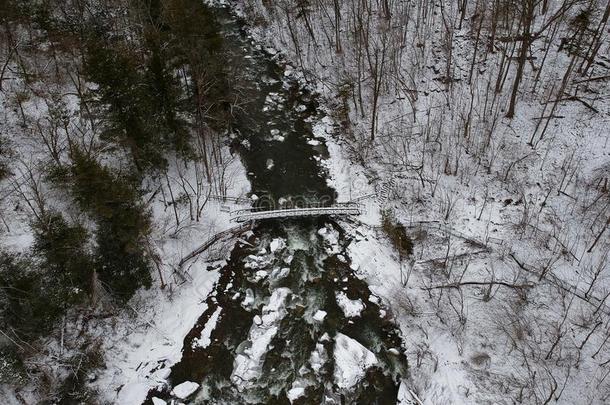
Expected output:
(288, 319)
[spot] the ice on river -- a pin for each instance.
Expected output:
(351, 361)
(255, 262)
(248, 363)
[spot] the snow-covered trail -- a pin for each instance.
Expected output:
(288, 321)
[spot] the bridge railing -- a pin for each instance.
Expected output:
(292, 207)
(324, 208)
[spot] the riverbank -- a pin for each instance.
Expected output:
(141, 344)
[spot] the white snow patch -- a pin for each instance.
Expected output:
(133, 393)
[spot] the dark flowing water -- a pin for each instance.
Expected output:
(270, 342)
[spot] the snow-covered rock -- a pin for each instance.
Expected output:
(351, 361)
(318, 358)
(351, 308)
(331, 238)
(406, 396)
(247, 364)
(278, 273)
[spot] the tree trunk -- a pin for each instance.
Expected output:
(527, 19)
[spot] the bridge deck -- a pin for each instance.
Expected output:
(253, 214)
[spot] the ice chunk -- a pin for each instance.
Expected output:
(261, 274)
(277, 244)
(295, 393)
(319, 316)
(185, 389)
(158, 401)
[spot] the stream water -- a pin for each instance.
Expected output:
(288, 321)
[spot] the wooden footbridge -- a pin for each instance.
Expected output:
(258, 213)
